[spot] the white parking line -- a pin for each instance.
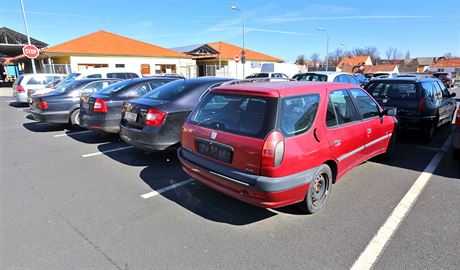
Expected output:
(107, 151)
(375, 247)
(156, 192)
(72, 133)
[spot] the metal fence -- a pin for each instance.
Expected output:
(57, 68)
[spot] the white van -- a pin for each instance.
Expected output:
(102, 73)
(32, 82)
(286, 68)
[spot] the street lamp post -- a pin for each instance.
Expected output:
(243, 53)
(327, 46)
(27, 32)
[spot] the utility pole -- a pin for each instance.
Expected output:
(27, 32)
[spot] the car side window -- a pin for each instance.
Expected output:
(428, 89)
(353, 80)
(298, 113)
(117, 75)
(437, 90)
(444, 90)
(93, 87)
(367, 107)
(142, 90)
(331, 118)
(343, 106)
(94, 76)
(132, 75)
(36, 81)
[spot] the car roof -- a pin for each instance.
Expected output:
(281, 89)
(407, 79)
(43, 74)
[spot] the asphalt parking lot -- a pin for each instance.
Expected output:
(82, 200)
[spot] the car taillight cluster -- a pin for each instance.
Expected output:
(100, 106)
(422, 105)
(20, 89)
(154, 117)
(42, 104)
(273, 150)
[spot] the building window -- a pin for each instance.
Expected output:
(119, 65)
(162, 69)
(145, 69)
(86, 66)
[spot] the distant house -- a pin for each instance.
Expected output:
(419, 64)
(446, 64)
(392, 68)
(347, 63)
(218, 59)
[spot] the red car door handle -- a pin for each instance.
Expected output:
(337, 142)
(369, 130)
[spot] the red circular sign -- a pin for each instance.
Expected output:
(236, 58)
(30, 51)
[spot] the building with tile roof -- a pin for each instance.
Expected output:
(217, 59)
(105, 49)
(447, 65)
(349, 63)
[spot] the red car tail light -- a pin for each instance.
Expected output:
(457, 119)
(422, 105)
(154, 117)
(99, 105)
(273, 150)
(20, 89)
(42, 104)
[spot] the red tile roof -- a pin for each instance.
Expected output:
(106, 43)
(449, 62)
(228, 51)
(380, 68)
(353, 60)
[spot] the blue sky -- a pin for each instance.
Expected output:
(283, 29)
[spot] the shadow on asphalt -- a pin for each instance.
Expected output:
(201, 200)
(44, 127)
(19, 105)
(414, 152)
(92, 137)
(137, 157)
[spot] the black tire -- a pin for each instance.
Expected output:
(391, 148)
(429, 133)
(456, 154)
(318, 191)
(75, 119)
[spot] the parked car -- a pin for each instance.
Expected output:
(446, 78)
(101, 111)
(363, 80)
(413, 75)
(63, 104)
(423, 104)
(456, 136)
(276, 144)
(32, 82)
(267, 75)
(102, 73)
(48, 88)
(327, 76)
(382, 75)
(153, 122)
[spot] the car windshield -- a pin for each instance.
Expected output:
(170, 90)
(237, 114)
(69, 78)
(393, 90)
(311, 77)
(116, 87)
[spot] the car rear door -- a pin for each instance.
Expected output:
(378, 130)
(448, 104)
(345, 132)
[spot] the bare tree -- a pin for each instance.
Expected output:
(314, 58)
(448, 55)
(358, 51)
(407, 56)
(389, 53)
(373, 53)
(336, 56)
(396, 54)
(301, 60)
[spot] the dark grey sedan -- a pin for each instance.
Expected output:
(154, 121)
(63, 104)
(102, 110)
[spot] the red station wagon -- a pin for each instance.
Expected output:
(276, 144)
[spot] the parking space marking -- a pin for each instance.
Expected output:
(72, 133)
(156, 192)
(107, 151)
(375, 247)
